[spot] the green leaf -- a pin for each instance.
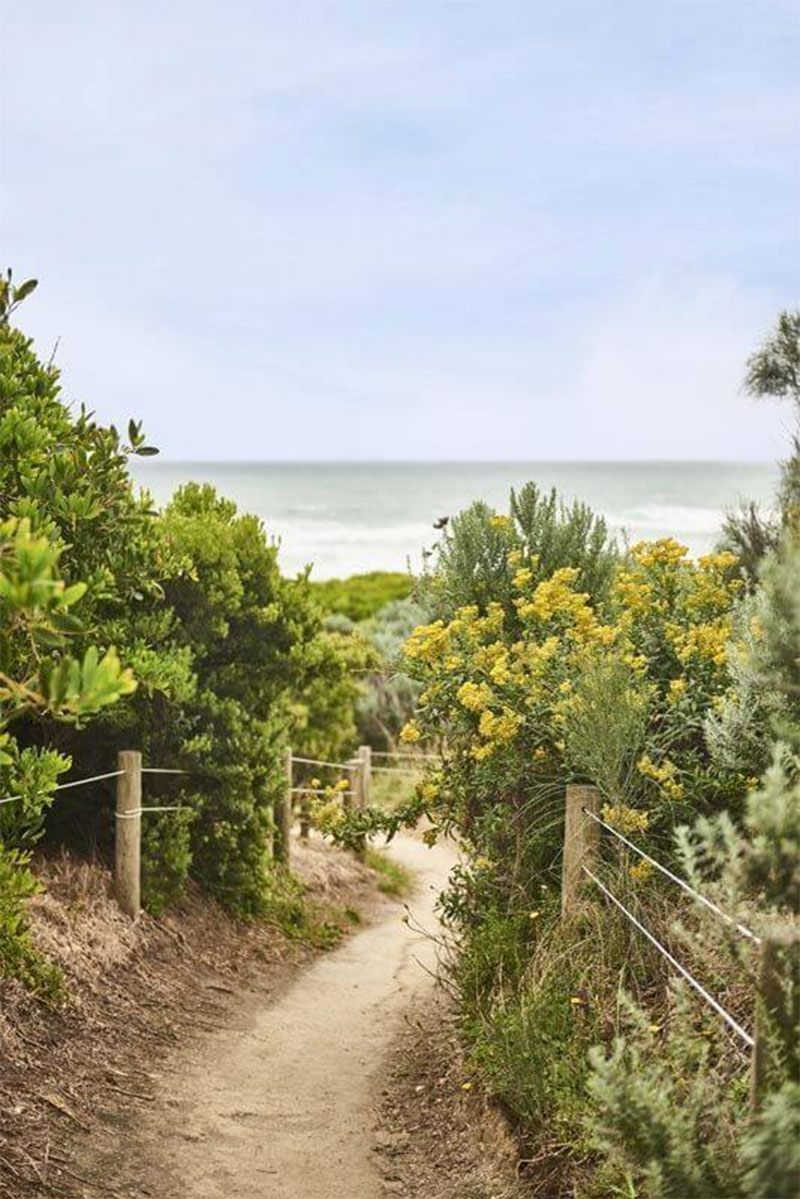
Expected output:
(90, 667)
(147, 451)
(25, 289)
(73, 593)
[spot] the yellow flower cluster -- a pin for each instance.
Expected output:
(635, 594)
(707, 642)
(500, 673)
(664, 774)
(664, 552)
(552, 596)
(625, 819)
(485, 656)
(665, 616)
(499, 729)
(474, 696)
(428, 642)
(641, 872)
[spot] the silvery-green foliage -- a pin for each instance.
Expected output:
(662, 1107)
(761, 868)
(771, 1150)
(606, 727)
(739, 733)
(772, 857)
(389, 698)
(678, 1117)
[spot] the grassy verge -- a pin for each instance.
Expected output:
(390, 791)
(393, 879)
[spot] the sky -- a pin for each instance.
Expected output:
(405, 229)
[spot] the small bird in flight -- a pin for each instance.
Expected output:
(441, 522)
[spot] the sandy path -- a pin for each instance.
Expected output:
(282, 1109)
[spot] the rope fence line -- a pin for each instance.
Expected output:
(129, 807)
(384, 753)
(95, 778)
(320, 762)
(138, 811)
(741, 928)
(317, 791)
(699, 988)
(396, 769)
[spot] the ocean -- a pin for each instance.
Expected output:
(345, 518)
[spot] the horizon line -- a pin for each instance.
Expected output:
(163, 459)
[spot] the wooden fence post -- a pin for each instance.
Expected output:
(365, 775)
(776, 1011)
(581, 840)
(282, 816)
(305, 817)
(128, 832)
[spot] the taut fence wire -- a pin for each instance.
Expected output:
(713, 907)
(673, 961)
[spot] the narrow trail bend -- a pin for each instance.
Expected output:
(283, 1109)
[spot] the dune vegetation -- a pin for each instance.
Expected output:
(534, 654)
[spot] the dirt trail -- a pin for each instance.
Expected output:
(283, 1108)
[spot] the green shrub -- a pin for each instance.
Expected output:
(670, 1108)
(475, 558)
(361, 596)
(166, 858)
(19, 957)
(230, 660)
(389, 695)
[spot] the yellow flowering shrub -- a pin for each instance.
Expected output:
(501, 686)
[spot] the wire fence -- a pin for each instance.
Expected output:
(708, 903)
(584, 828)
(321, 762)
(698, 987)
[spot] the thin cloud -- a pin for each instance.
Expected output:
(530, 229)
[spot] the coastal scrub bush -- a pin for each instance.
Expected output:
(389, 695)
(608, 669)
(362, 596)
(773, 371)
(480, 551)
(229, 660)
(37, 676)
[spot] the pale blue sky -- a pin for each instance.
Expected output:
(408, 229)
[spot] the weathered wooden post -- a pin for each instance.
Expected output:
(365, 775)
(581, 841)
(128, 833)
(282, 816)
(305, 816)
(776, 1012)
